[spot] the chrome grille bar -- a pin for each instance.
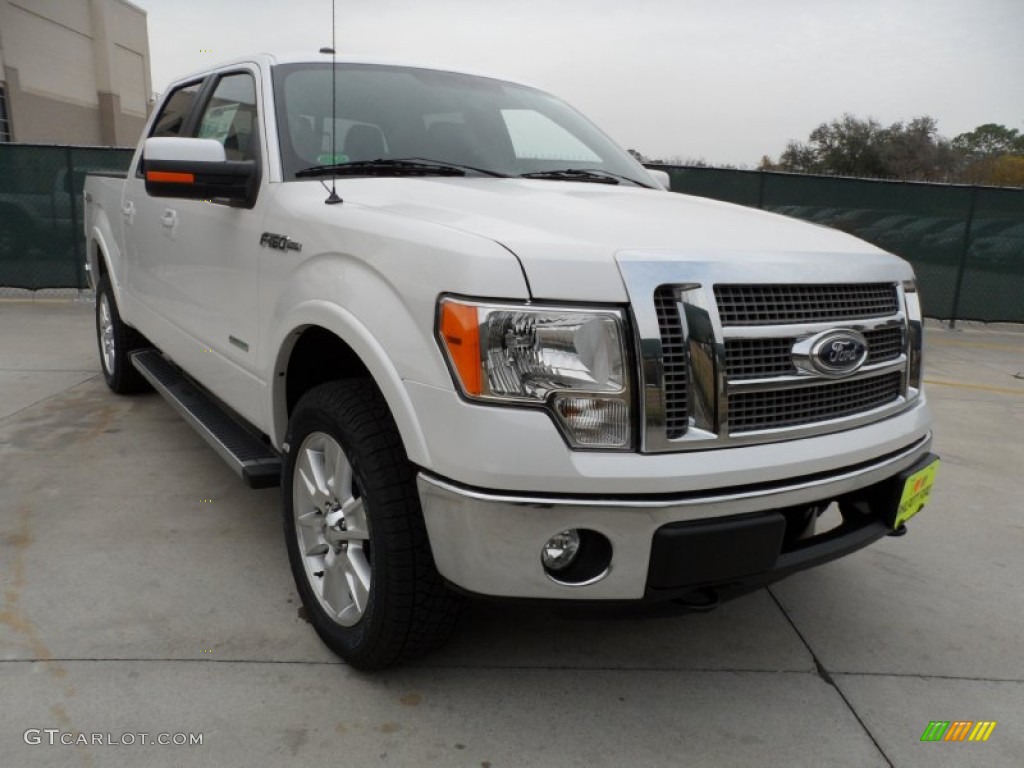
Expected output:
(775, 408)
(760, 358)
(769, 304)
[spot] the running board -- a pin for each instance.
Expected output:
(254, 461)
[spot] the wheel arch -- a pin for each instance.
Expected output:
(325, 343)
(100, 256)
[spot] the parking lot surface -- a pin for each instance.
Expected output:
(146, 590)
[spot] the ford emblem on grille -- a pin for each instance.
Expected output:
(832, 353)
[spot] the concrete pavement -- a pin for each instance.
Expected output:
(146, 590)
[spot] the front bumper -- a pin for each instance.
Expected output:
(489, 543)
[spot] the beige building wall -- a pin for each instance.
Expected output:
(75, 71)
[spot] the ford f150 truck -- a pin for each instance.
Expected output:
(484, 351)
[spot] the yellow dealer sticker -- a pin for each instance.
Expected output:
(916, 492)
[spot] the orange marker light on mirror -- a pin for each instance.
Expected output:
(460, 331)
(171, 177)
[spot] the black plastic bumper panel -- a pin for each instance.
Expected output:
(766, 546)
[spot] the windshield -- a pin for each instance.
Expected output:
(386, 112)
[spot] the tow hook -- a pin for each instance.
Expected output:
(709, 603)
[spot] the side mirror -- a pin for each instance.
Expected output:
(661, 177)
(196, 169)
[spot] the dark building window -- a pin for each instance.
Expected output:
(5, 120)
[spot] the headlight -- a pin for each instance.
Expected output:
(573, 361)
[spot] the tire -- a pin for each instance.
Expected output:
(116, 342)
(354, 529)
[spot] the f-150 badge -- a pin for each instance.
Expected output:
(280, 242)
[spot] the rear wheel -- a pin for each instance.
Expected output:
(354, 529)
(116, 343)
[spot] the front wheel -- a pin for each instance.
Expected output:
(354, 529)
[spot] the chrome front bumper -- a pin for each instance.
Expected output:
(489, 543)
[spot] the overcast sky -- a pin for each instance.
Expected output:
(722, 80)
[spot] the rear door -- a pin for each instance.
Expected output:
(210, 263)
(144, 221)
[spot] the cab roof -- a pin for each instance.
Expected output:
(301, 57)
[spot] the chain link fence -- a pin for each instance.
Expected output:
(41, 229)
(966, 243)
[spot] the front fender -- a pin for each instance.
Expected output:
(345, 326)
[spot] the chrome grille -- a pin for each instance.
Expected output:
(884, 344)
(773, 409)
(759, 358)
(673, 354)
(770, 304)
(715, 341)
(767, 358)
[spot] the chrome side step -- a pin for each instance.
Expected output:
(254, 461)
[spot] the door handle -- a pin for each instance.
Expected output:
(128, 209)
(169, 218)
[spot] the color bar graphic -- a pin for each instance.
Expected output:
(958, 730)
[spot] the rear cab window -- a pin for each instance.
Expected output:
(173, 116)
(175, 111)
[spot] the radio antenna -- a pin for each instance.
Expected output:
(333, 199)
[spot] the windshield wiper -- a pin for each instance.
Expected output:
(593, 175)
(461, 166)
(572, 174)
(381, 167)
(412, 166)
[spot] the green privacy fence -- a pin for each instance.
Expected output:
(966, 243)
(41, 237)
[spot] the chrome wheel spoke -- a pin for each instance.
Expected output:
(106, 333)
(331, 527)
(355, 519)
(335, 585)
(338, 471)
(311, 471)
(357, 575)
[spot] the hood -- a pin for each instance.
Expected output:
(568, 235)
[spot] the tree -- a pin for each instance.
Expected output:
(989, 140)
(917, 151)
(847, 146)
(998, 171)
(851, 146)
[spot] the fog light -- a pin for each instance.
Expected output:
(560, 550)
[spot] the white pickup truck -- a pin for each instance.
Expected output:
(483, 351)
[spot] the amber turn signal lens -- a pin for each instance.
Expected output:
(460, 330)
(171, 177)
